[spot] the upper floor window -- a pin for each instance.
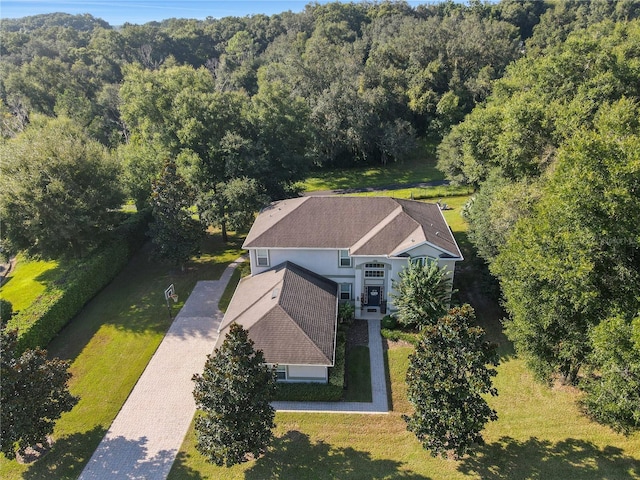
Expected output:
(422, 261)
(262, 257)
(374, 270)
(345, 259)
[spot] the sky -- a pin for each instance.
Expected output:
(117, 12)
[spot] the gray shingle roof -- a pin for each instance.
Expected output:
(290, 313)
(365, 225)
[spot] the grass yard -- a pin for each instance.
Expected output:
(540, 432)
(27, 281)
(358, 375)
(416, 170)
(109, 344)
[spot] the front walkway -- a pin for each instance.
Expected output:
(378, 385)
(145, 437)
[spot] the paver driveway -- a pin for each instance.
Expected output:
(148, 431)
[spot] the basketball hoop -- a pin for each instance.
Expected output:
(170, 293)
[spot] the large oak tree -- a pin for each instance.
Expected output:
(58, 189)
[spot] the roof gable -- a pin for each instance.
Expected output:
(290, 313)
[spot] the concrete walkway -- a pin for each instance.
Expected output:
(378, 385)
(145, 437)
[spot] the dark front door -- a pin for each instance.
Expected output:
(373, 296)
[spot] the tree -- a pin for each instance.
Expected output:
(447, 378)
(574, 262)
(58, 189)
(34, 394)
(422, 294)
(613, 388)
(174, 233)
(234, 394)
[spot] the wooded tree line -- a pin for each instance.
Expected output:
(245, 106)
(238, 110)
(555, 153)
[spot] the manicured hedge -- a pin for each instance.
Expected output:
(398, 335)
(79, 283)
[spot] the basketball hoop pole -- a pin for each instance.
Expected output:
(170, 294)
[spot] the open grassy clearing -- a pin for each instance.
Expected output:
(110, 343)
(540, 434)
(27, 281)
(419, 169)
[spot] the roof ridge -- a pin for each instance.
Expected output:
(297, 325)
(378, 228)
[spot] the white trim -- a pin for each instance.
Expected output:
(406, 250)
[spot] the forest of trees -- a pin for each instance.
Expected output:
(535, 105)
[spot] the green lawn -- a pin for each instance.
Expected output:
(27, 281)
(412, 171)
(540, 432)
(109, 344)
(358, 375)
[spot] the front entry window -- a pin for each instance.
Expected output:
(373, 270)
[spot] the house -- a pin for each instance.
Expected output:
(357, 245)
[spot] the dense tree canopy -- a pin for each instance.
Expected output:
(175, 235)
(57, 189)
(527, 95)
(555, 158)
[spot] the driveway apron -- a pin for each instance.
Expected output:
(146, 435)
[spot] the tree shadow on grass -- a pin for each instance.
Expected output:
(116, 458)
(477, 287)
(294, 456)
(513, 459)
(67, 456)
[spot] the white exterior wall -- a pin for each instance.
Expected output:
(322, 262)
(326, 263)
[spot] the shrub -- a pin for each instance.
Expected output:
(80, 282)
(389, 322)
(6, 310)
(398, 335)
(346, 313)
